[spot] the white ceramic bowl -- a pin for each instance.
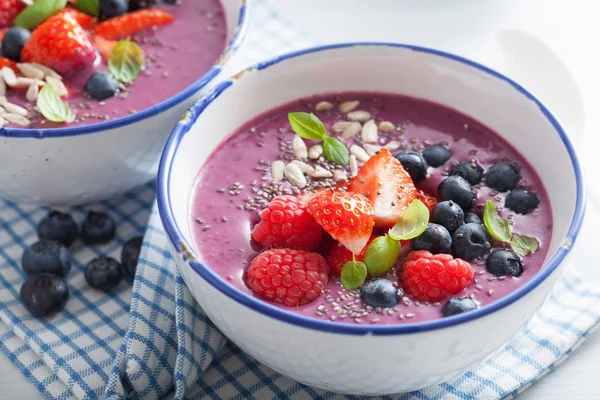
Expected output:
(89, 163)
(363, 359)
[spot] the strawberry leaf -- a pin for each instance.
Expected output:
(90, 7)
(381, 255)
(498, 227)
(307, 126)
(126, 61)
(523, 245)
(353, 274)
(52, 107)
(38, 12)
(335, 151)
(412, 223)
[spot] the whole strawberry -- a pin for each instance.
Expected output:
(9, 9)
(290, 277)
(431, 277)
(286, 223)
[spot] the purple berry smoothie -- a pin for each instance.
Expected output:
(176, 55)
(235, 184)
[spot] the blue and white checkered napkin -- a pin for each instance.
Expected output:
(155, 342)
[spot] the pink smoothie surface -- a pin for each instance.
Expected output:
(176, 55)
(223, 211)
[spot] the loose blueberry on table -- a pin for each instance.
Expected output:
(370, 208)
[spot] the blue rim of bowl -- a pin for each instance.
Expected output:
(258, 305)
(236, 39)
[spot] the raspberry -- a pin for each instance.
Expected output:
(290, 277)
(431, 277)
(286, 223)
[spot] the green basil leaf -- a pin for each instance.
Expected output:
(126, 61)
(307, 126)
(381, 255)
(52, 107)
(38, 12)
(353, 274)
(335, 151)
(498, 227)
(412, 223)
(90, 7)
(523, 245)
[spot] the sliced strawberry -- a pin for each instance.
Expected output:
(387, 185)
(83, 19)
(429, 201)
(2, 33)
(339, 255)
(61, 44)
(9, 9)
(347, 217)
(132, 23)
(5, 62)
(308, 195)
(104, 46)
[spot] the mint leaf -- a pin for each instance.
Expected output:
(52, 107)
(523, 245)
(307, 126)
(381, 255)
(38, 12)
(335, 151)
(353, 274)
(412, 223)
(498, 227)
(126, 61)
(90, 7)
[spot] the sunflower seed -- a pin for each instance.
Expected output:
(12, 108)
(393, 145)
(299, 147)
(339, 127)
(369, 132)
(48, 71)
(371, 149)
(358, 116)
(58, 85)
(2, 121)
(321, 172)
(339, 175)
(2, 86)
(9, 76)
(351, 130)
(294, 175)
(315, 151)
(23, 82)
(348, 106)
(16, 119)
(304, 167)
(323, 106)
(360, 153)
(31, 71)
(32, 91)
(386, 126)
(353, 165)
(277, 170)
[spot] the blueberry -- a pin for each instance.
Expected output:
(135, 5)
(458, 190)
(458, 306)
(472, 172)
(13, 42)
(448, 214)
(471, 241)
(522, 201)
(44, 294)
(98, 228)
(413, 163)
(46, 256)
(379, 292)
(129, 256)
(502, 176)
(58, 226)
(103, 273)
(102, 85)
(113, 8)
(436, 155)
(504, 263)
(435, 239)
(472, 218)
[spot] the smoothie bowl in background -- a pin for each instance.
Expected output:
(91, 89)
(341, 216)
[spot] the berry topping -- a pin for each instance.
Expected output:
(379, 292)
(102, 85)
(470, 241)
(290, 277)
(448, 214)
(104, 46)
(44, 294)
(46, 256)
(112, 8)
(472, 172)
(98, 228)
(436, 155)
(414, 163)
(458, 190)
(103, 273)
(387, 185)
(13, 42)
(58, 226)
(504, 263)
(83, 19)
(502, 176)
(129, 24)
(435, 239)
(339, 255)
(135, 5)
(286, 223)
(428, 200)
(74, 53)
(9, 9)
(347, 217)
(129, 256)
(431, 277)
(5, 62)
(458, 306)
(522, 201)
(472, 218)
